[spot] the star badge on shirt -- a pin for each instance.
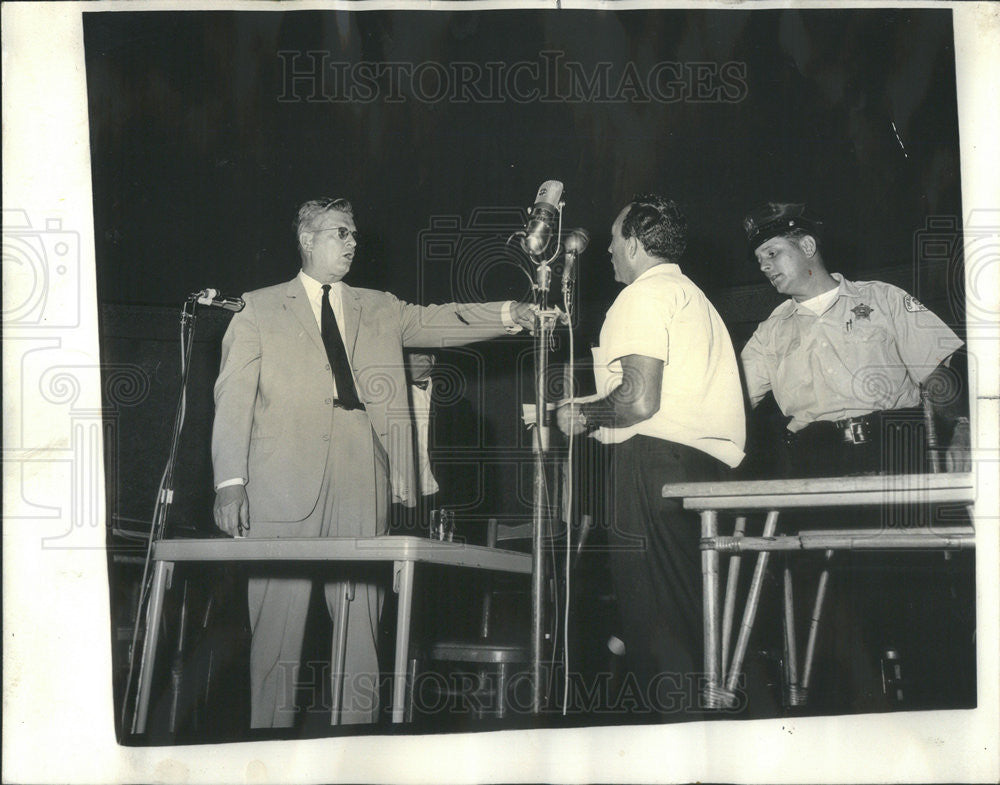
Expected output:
(912, 304)
(862, 311)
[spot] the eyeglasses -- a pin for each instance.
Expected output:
(342, 232)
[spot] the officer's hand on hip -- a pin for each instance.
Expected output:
(232, 510)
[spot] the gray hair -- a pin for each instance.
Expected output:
(314, 208)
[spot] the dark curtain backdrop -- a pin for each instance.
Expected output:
(202, 149)
(203, 145)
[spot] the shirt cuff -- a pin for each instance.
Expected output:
(511, 327)
(227, 483)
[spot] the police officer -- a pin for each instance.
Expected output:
(847, 360)
(848, 363)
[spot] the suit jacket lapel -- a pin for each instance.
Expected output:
(352, 315)
(298, 303)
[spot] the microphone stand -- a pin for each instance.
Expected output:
(166, 498)
(161, 512)
(545, 323)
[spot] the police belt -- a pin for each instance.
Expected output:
(853, 430)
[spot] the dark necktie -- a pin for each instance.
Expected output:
(337, 354)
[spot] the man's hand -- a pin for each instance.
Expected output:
(569, 420)
(232, 510)
(523, 315)
(958, 457)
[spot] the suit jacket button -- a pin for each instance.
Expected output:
(329, 401)
(326, 367)
(326, 437)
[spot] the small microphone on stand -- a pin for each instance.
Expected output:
(575, 244)
(213, 299)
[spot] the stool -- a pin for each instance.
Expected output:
(491, 667)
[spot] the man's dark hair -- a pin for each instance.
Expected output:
(658, 224)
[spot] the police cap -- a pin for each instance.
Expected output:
(777, 218)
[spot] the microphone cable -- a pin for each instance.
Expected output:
(568, 485)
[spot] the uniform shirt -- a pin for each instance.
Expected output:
(868, 351)
(663, 315)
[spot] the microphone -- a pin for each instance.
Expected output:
(538, 232)
(212, 298)
(575, 244)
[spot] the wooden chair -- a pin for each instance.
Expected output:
(490, 663)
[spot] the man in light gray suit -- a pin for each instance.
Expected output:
(312, 439)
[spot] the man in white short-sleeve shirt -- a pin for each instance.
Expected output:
(669, 401)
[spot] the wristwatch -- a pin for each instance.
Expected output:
(581, 417)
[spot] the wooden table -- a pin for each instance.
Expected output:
(403, 552)
(773, 496)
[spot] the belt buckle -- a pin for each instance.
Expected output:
(856, 432)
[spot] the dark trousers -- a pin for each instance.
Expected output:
(875, 600)
(656, 569)
(895, 443)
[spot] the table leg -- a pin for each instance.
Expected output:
(403, 618)
(791, 653)
(160, 573)
(177, 666)
(814, 626)
(710, 608)
(753, 600)
(729, 606)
